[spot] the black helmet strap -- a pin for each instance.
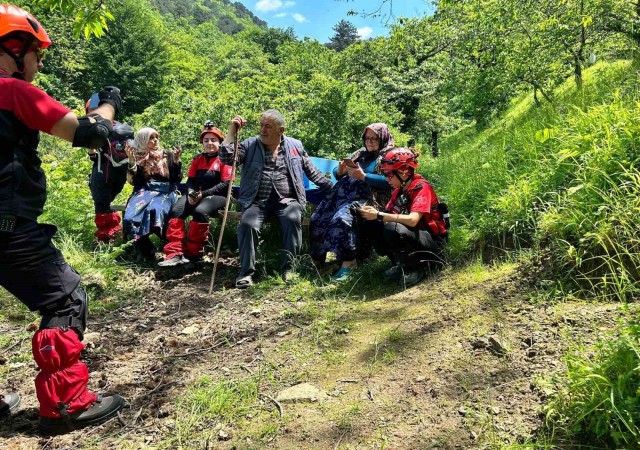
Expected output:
(19, 59)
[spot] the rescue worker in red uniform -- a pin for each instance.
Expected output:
(108, 176)
(31, 268)
(412, 229)
(207, 184)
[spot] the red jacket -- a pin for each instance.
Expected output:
(419, 197)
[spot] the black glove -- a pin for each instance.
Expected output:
(111, 96)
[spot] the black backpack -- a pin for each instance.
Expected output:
(117, 140)
(443, 209)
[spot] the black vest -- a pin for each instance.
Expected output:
(23, 187)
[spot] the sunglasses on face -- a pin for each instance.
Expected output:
(371, 139)
(40, 53)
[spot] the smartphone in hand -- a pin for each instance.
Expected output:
(193, 194)
(349, 163)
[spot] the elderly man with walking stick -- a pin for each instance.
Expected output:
(271, 184)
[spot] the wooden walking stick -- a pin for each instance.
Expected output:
(226, 208)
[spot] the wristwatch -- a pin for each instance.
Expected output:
(380, 216)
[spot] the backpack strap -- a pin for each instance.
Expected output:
(442, 209)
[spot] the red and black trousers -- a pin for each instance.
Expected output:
(35, 272)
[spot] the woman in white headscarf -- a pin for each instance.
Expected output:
(154, 174)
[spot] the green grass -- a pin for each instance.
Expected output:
(559, 184)
(561, 179)
(210, 405)
(598, 398)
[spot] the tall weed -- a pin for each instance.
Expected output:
(598, 397)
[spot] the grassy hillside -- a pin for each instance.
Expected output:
(230, 17)
(561, 181)
(560, 178)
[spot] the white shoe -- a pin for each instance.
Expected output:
(175, 261)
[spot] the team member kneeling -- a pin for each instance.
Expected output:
(31, 268)
(411, 230)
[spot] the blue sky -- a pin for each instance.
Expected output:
(316, 18)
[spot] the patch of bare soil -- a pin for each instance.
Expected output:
(450, 363)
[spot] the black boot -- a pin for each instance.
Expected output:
(8, 403)
(145, 249)
(411, 277)
(102, 410)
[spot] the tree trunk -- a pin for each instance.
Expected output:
(578, 56)
(434, 143)
(577, 71)
(537, 88)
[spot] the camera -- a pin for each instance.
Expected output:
(193, 194)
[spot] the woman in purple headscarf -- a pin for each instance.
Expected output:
(360, 182)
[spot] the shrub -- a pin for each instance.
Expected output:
(598, 397)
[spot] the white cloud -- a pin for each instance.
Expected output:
(280, 15)
(299, 17)
(365, 32)
(273, 5)
(268, 5)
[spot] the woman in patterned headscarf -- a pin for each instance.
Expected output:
(154, 174)
(360, 182)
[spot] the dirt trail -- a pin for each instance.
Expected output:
(451, 363)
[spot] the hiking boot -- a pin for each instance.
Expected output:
(175, 261)
(102, 410)
(197, 259)
(411, 278)
(392, 272)
(146, 257)
(8, 403)
(244, 282)
(145, 250)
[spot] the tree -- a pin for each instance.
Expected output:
(132, 56)
(270, 39)
(90, 16)
(384, 11)
(346, 34)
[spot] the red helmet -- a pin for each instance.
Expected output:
(16, 20)
(209, 128)
(399, 158)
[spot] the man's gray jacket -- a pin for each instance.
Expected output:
(251, 155)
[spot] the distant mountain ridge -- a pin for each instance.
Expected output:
(230, 17)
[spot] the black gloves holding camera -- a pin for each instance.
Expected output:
(110, 95)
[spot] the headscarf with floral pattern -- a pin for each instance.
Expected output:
(385, 144)
(152, 161)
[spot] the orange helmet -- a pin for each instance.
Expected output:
(19, 30)
(209, 128)
(16, 20)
